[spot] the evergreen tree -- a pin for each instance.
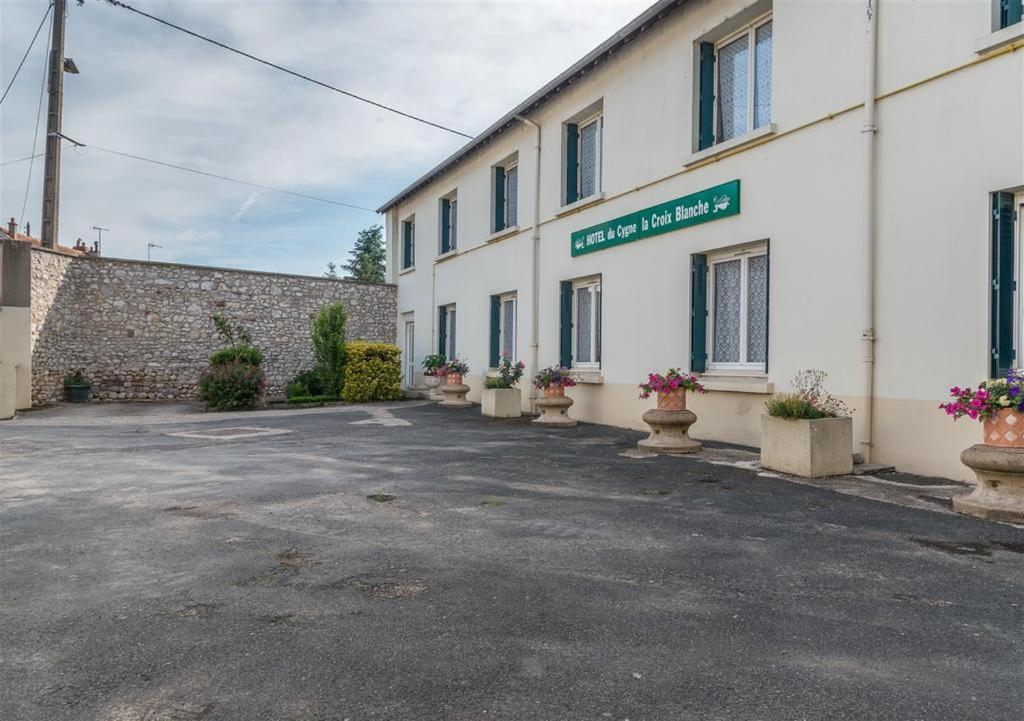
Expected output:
(332, 270)
(366, 261)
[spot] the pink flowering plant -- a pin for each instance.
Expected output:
(509, 373)
(453, 366)
(433, 363)
(674, 379)
(982, 403)
(554, 376)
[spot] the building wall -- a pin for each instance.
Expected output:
(949, 133)
(142, 330)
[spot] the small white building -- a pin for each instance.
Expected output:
(744, 189)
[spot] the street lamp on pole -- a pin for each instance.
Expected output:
(149, 250)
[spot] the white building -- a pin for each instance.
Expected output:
(623, 219)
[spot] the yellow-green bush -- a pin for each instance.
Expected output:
(373, 372)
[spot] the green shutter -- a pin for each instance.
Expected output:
(495, 331)
(706, 107)
(406, 244)
(1010, 12)
(1003, 285)
(698, 313)
(442, 331)
(446, 219)
(499, 199)
(572, 163)
(565, 327)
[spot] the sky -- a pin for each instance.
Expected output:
(152, 91)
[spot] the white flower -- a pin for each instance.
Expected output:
(1004, 401)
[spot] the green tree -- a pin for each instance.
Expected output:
(332, 270)
(366, 261)
(328, 333)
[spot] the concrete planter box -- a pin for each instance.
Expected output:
(812, 449)
(501, 402)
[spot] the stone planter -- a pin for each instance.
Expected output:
(455, 392)
(554, 408)
(670, 425)
(998, 464)
(433, 384)
(501, 402)
(808, 448)
(78, 393)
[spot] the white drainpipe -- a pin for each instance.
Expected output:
(868, 132)
(535, 259)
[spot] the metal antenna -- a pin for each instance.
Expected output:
(99, 238)
(149, 250)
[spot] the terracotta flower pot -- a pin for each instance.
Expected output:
(555, 390)
(454, 379)
(1006, 429)
(673, 400)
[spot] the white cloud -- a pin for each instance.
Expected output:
(155, 92)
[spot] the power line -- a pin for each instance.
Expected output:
(322, 84)
(18, 69)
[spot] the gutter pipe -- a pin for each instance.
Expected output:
(868, 132)
(535, 261)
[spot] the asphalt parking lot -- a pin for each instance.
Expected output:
(414, 562)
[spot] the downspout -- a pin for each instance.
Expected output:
(868, 132)
(535, 260)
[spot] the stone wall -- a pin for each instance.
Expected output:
(142, 330)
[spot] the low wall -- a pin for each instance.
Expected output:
(142, 330)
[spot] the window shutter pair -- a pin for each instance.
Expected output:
(446, 225)
(1010, 12)
(565, 326)
(706, 107)
(442, 331)
(1003, 284)
(495, 354)
(499, 199)
(572, 163)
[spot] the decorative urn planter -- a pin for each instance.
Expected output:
(78, 393)
(998, 464)
(809, 448)
(501, 402)
(455, 392)
(554, 408)
(670, 425)
(433, 384)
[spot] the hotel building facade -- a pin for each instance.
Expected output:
(743, 189)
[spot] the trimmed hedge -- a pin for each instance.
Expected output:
(373, 372)
(302, 400)
(241, 353)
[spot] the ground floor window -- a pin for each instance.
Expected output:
(446, 331)
(729, 328)
(504, 316)
(1005, 312)
(581, 323)
(410, 353)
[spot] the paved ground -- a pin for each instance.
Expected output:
(151, 572)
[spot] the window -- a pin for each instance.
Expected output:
(582, 159)
(1011, 12)
(449, 223)
(735, 94)
(506, 196)
(737, 310)
(1002, 286)
(446, 331)
(408, 243)
(410, 353)
(503, 328)
(581, 323)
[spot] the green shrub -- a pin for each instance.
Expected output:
(373, 373)
(231, 387)
(810, 401)
(312, 399)
(305, 383)
(328, 333)
(244, 354)
(788, 405)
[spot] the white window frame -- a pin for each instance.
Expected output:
(744, 255)
(507, 168)
(595, 283)
(750, 30)
(597, 118)
(453, 223)
(410, 355)
(502, 330)
(451, 330)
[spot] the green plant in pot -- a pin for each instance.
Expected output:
(78, 387)
(432, 365)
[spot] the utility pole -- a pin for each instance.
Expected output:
(51, 171)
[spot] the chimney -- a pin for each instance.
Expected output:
(28, 228)
(12, 228)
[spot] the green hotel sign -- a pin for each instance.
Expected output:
(720, 201)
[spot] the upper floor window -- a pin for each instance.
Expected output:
(408, 243)
(735, 95)
(1011, 12)
(583, 158)
(449, 223)
(506, 195)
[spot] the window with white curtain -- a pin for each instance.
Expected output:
(743, 66)
(738, 310)
(586, 352)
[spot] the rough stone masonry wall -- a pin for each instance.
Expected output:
(142, 330)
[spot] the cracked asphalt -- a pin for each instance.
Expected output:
(239, 570)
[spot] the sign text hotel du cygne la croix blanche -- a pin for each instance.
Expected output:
(720, 201)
